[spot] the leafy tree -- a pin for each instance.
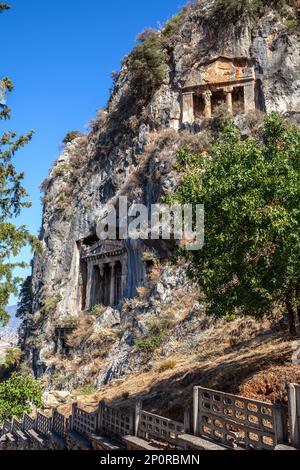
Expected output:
(25, 299)
(18, 394)
(251, 191)
(12, 200)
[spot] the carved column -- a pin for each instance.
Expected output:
(112, 283)
(124, 276)
(101, 287)
(89, 288)
(228, 93)
(188, 108)
(207, 104)
(249, 96)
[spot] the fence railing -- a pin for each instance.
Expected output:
(43, 424)
(6, 428)
(152, 426)
(224, 418)
(237, 421)
(83, 422)
(114, 422)
(16, 426)
(29, 423)
(60, 424)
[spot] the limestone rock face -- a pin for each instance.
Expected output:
(130, 152)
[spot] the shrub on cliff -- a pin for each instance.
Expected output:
(230, 10)
(171, 26)
(18, 394)
(250, 262)
(49, 304)
(70, 136)
(13, 357)
(147, 63)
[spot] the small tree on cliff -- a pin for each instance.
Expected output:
(25, 299)
(12, 200)
(250, 262)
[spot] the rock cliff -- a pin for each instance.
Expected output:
(129, 151)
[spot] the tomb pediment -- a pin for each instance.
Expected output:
(107, 247)
(221, 70)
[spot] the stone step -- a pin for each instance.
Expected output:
(36, 439)
(100, 442)
(187, 441)
(77, 442)
(56, 442)
(136, 443)
(284, 447)
(22, 438)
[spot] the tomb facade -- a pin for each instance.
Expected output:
(223, 81)
(104, 273)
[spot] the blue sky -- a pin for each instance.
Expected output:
(60, 55)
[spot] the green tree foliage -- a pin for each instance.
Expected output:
(251, 191)
(25, 299)
(13, 357)
(147, 62)
(3, 7)
(18, 394)
(12, 200)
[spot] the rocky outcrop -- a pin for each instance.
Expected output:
(130, 151)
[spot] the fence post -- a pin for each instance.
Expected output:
(187, 422)
(74, 406)
(294, 414)
(280, 422)
(100, 415)
(138, 409)
(196, 411)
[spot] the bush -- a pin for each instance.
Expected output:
(18, 394)
(172, 24)
(72, 135)
(87, 390)
(98, 310)
(158, 328)
(147, 64)
(49, 304)
(150, 343)
(13, 357)
(232, 10)
(237, 9)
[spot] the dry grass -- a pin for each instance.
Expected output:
(143, 292)
(82, 332)
(258, 366)
(166, 365)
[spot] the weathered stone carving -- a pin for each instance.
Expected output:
(221, 81)
(104, 273)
